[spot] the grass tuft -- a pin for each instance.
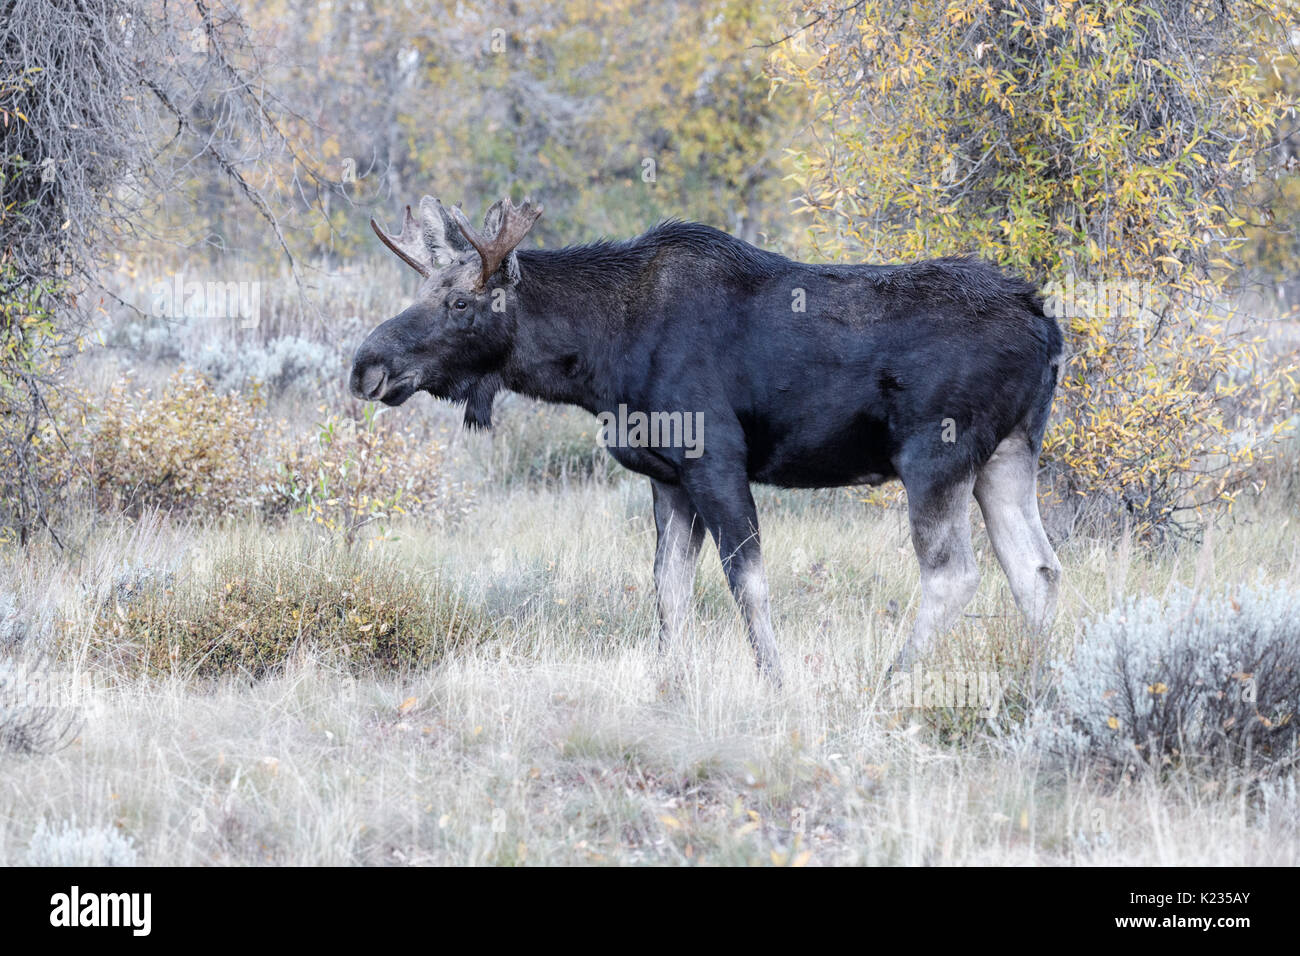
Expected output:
(252, 613)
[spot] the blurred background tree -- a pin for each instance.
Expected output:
(108, 109)
(1272, 251)
(615, 114)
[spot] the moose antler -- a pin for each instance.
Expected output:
(512, 223)
(410, 245)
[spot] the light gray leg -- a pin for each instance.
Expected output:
(1007, 491)
(940, 522)
(749, 586)
(681, 533)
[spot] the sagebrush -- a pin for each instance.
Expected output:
(1197, 680)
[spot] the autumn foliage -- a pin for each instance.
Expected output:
(188, 449)
(1109, 151)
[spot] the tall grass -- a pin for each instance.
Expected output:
(558, 734)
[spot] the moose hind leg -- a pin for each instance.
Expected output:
(940, 522)
(1007, 491)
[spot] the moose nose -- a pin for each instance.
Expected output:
(373, 381)
(370, 383)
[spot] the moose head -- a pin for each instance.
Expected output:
(455, 338)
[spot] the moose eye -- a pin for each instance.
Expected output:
(460, 305)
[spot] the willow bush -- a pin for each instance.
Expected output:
(1107, 150)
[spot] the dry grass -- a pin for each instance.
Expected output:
(564, 738)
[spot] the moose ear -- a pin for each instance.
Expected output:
(442, 237)
(492, 218)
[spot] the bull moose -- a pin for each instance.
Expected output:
(938, 373)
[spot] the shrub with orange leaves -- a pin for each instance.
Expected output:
(190, 449)
(352, 475)
(186, 449)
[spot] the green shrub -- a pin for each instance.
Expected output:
(355, 475)
(33, 354)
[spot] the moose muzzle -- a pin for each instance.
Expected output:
(368, 382)
(372, 379)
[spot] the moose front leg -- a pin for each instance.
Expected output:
(681, 533)
(728, 511)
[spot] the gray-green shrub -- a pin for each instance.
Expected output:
(1195, 680)
(289, 362)
(66, 844)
